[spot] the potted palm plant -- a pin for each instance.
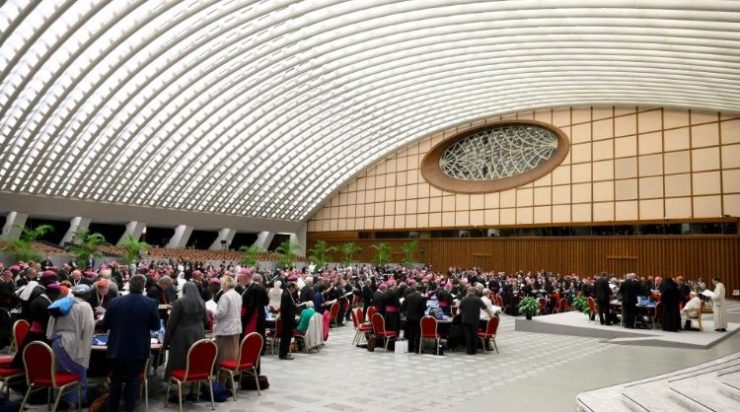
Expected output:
(132, 249)
(286, 253)
(24, 247)
(320, 254)
(85, 245)
(383, 253)
(528, 307)
(348, 251)
(251, 254)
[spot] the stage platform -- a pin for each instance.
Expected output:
(577, 324)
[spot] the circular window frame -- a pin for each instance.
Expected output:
(434, 175)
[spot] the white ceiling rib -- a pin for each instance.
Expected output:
(263, 109)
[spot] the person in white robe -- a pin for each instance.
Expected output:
(719, 309)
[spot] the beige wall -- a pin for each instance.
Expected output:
(625, 164)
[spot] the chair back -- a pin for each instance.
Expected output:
(250, 350)
(201, 358)
(334, 311)
(492, 326)
(378, 324)
(658, 308)
(563, 304)
(543, 305)
(591, 305)
(278, 327)
(355, 323)
(360, 315)
(499, 301)
(428, 326)
(372, 310)
(20, 330)
(39, 363)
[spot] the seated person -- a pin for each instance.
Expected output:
(306, 315)
(692, 310)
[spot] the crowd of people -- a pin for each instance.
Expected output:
(186, 299)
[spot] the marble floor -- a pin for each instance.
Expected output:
(532, 372)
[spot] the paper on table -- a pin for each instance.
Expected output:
(211, 306)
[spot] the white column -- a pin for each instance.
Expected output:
(264, 239)
(225, 235)
(14, 222)
(299, 238)
(134, 229)
(76, 224)
(180, 238)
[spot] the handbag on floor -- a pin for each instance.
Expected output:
(247, 382)
(371, 343)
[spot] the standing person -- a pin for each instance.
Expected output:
(275, 294)
(470, 307)
(629, 289)
(254, 300)
(228, 326)
(71, 339)
(670, 318)
(720, 310)
(129, 319)
(414, 305)
(287, 314)
(185, 326)
(602, 294)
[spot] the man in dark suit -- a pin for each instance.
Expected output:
(414, 305)
(287, 315)
(130, 319)
(630, 290)
(470, 307)
(602, 295)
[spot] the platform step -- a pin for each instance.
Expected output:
(703, 392)
(712, 386)
(730, 384)
(653, 397)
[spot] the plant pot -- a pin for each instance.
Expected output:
(529, 316)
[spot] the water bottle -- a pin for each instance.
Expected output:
(160, 334)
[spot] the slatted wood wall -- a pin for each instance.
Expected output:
(692, 256)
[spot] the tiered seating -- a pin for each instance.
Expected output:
(713, 386)
(206, 255)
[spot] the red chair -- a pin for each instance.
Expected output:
(543, 306)
(248, 359)
(360, 314)
(379, 330)
(428, 325)
(657, 314)
(370, 312)
(334, 312)
(361, 329)
(592, 312)
(563, 305)
(490, 332)
(200, 361)
(499, 301)
(20, 330)
(40, 365)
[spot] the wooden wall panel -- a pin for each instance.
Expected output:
(690, 256)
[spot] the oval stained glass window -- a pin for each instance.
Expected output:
(495, 157)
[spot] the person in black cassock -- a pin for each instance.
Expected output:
(629, 289)
(602, 295)
(392, 302)
(414, 305)
(670, 318)
(287, 314)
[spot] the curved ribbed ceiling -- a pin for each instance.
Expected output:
(264, 108)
